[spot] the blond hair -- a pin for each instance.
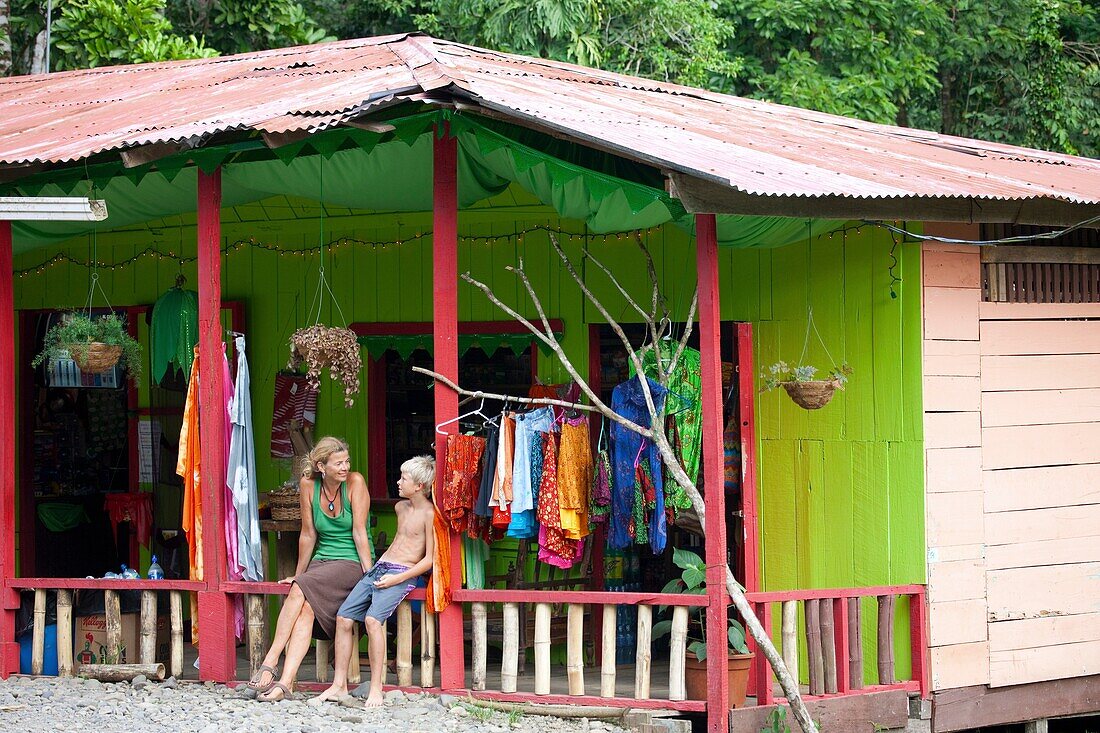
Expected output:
(322, 449)
(421, 470)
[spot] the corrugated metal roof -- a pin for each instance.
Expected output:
(707, 142)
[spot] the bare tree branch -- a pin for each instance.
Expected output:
(618, 286)
(675, 362)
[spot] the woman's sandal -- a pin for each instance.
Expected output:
(286, 693)
(254, 683)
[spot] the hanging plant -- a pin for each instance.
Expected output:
(800, 384)
(328, 347)
(95, 343)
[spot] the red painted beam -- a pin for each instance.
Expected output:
(251, 588)
(452, 663)
(746, 391)
(695, 706)
(918, 637)
(105, 584)
(840, 645)
(578, 596)
(830, 593)
(217, 648)
(710, 347)
(9, 602)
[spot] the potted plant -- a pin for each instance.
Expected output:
(337, 349)
(95, 343)
(693, 580)
(801, 386)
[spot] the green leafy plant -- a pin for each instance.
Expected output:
(781, 372)
(76, 331)
(777, 721)
(692, 580)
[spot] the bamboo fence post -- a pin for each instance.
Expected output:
(607, 659)
(355, 675)
(575, 648)
(65, 633)
(114, 626)
(509, 662)
(122, 672)
(147, 645)
(813, 647)
(38, 634)
(385, 667)
(790, 637)
(828, 644)
(427, 648)
(404, 645)
(542, 648)
(480, 621)
(677, 654)
(321, 656)
(886, 640)
(855, 645)
(644, 652)
(175, 600)
(256, 636)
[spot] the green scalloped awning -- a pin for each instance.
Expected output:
(377, 346)
(343, 167)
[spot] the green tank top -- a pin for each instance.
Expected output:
(334, 538)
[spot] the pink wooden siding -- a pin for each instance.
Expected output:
(1012, 451)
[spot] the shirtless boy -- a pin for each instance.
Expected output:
(380, 591)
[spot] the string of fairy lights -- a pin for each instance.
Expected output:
(345, 243)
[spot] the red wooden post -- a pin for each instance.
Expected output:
(763, 672)
(452, 662)
(706, 263)
(840, 644)
(217, 648)
(918, 636)
(9, 599)
(747, 410)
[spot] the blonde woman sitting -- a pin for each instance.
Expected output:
(334, 551)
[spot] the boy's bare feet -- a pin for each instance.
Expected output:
(332, 693)
(374, 700)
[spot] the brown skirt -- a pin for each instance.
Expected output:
(325, 584)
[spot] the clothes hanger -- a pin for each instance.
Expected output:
(472, 413)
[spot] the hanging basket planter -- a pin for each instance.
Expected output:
(321, 347)
(95, 357)
(812, 395)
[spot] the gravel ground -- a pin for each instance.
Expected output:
(55, 704)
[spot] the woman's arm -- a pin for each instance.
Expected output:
(307, 538)
(360, 511)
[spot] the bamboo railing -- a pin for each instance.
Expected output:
(832, 632)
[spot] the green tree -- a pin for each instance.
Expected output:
(238, 26)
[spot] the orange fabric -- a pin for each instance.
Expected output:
(438, 592)
(501, 500)
(188, 467)
(574, 479)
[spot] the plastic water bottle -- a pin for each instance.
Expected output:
(156, 572)
(129, 573)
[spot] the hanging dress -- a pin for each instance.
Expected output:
(628, 449)
(188, 467)
(241, 472)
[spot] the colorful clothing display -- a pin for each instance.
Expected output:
(501, 500)
(554, 548)
(599, 506)
(528, 425)
(574, 478)
(296, 401)
(241, 472)
(188, 467)
(628, 449)
(685, 407)
(461, 480)
(488, 472)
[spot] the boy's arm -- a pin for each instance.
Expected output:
(425, 563)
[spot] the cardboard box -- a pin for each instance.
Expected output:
(90, 640)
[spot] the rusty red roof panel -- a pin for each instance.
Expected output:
(754, 147)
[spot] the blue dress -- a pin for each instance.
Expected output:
(627, 449)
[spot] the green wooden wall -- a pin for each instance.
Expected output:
(840, 488)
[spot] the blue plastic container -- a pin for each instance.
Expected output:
(49, 656)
